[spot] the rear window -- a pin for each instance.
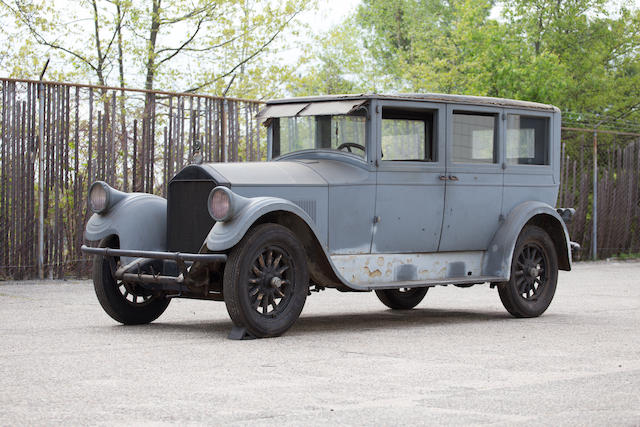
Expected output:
(527, 140)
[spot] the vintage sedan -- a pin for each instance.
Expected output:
(386, 193)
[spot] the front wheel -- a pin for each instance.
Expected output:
(401, 299)
(266, 281)
(124, 302)
(534, 274)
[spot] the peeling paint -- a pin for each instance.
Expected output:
(387, 268)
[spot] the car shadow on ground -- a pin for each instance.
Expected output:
(391, 319)
(343, 322)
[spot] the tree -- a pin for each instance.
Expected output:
(198, 45)
(597, 44)
(336, 63)
(579, 54)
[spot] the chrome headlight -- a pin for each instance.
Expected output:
(220, 204)
(99, 197)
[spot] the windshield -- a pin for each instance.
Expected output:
(345, 133)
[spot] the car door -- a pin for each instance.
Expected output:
(409, 192)
(474, 177)
(530, 170)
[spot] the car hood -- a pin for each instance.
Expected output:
(265, 174)
(316, 172)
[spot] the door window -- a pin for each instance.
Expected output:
(474, 138)
(407, 135)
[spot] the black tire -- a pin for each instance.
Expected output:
(122, 301)
(534, 274)
(268, 268)
(402, 299)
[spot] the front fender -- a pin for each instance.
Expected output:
(225, 235)
(139, 221)
(497, 261)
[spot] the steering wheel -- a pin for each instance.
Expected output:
(349, 145)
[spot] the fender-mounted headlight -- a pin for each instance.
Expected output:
(220, 204)
(99, 197)
(102, 197)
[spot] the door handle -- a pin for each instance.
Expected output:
(453, 178)
(443, 178)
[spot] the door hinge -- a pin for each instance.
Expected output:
(376, 219)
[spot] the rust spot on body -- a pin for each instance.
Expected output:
(374, 273)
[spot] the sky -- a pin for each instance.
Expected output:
(330, 13)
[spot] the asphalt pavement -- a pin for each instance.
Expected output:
(458, 358)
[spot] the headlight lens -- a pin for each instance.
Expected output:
(98, 197)
(219, 204)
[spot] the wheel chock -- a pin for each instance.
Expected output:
(240, 333)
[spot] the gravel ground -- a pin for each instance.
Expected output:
(458, 358)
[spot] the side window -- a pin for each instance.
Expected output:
(474, 138)
(408, 135)
(527, 140)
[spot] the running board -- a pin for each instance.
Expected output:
(466, 280)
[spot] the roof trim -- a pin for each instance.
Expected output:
(426, 97)
(308, 108)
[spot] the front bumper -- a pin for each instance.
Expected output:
(140, 270)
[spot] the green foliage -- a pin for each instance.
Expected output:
(333, 63)
(582, 55)
(627, 256)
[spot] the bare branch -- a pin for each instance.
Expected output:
(207, 8)
(248, 58)
(212, 47)
(21, 15)
(189, 40)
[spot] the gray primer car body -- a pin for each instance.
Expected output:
(368, 223)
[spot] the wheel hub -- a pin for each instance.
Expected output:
(268, 284)
(533, 272)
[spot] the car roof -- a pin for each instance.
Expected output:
(425, 97)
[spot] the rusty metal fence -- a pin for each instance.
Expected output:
(135, 140)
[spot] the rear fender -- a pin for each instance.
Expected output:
(497, 261)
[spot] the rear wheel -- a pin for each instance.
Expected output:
(125, 302)
(266, 281)
(402, 299)
(534, 274)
